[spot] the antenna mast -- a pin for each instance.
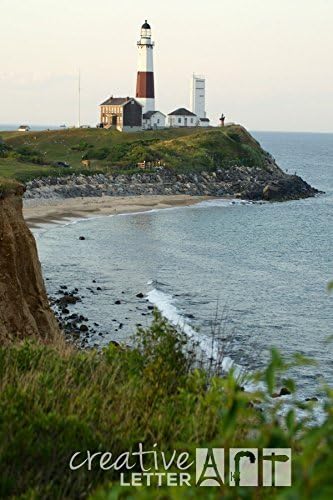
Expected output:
(79, 121)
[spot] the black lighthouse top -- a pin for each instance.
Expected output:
(146, 26)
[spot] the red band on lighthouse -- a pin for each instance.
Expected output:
(145, 85)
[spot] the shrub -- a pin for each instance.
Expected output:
(234, 136)
(97, 154)
(81, 146)
(4, 149)
(118, 151)
(54, 403)
(28, 154)
(252, 157)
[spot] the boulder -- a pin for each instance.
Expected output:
(284, 391)
(271, 192)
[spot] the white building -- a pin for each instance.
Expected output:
(145, 89)
(198, 99)
(182, 117)
(204, 122)
(153, 120)
(24, 128)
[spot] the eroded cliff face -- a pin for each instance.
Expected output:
(24, 307)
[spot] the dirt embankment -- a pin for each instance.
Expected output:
(24, 306)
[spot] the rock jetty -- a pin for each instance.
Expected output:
(252, 183)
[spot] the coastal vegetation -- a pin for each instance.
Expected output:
(224, 161)
(56, 400)
(7, 185)
(37, 154)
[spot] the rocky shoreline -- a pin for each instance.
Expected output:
(268, 183)
(80, 330)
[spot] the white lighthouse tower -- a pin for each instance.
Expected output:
(145, 91)
(198, 96)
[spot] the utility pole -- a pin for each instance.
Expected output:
(79, 89)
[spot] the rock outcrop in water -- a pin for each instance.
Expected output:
(24, 306)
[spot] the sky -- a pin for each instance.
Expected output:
(268, 63)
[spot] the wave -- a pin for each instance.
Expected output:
(165, 304)
(43, 228)
(224, 202)
(78, 221)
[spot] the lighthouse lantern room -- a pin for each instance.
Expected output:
(145, 90)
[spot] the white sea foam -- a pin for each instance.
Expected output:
(165, 304)
(216, 202)
(222, 202)
(150, 211)
(71, 222)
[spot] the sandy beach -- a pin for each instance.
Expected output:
(41, 211)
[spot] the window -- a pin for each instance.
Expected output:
(158, 120)
(191, 120)
(179, 120)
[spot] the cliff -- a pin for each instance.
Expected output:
(24, 307)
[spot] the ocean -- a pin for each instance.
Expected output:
(37, 128)
(257, 270)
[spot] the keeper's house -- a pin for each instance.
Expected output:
(182, 118)
(121, 113)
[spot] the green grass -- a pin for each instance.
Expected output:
(56, 401)
(15, 169)
(112, 151)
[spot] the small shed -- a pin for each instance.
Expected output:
(204, 122)
(24, 128)
(182, 117)
(153, 120)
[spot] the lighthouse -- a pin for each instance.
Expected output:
(145, 92)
